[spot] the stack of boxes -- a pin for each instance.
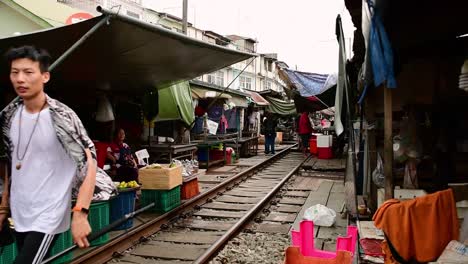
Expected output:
(161, 186)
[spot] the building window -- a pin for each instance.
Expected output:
(216, 78)
(133, 14)
(245, 82)
(267, 85)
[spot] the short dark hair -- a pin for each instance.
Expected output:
(32, 53)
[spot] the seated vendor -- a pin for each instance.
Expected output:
(123, 162)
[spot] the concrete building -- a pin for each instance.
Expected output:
(22, 16)
(132, 8)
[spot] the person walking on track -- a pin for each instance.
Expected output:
(50, 154)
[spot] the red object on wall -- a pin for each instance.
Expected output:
(101, 153)
(78, 17)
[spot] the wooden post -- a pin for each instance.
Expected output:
(388, 143)
(371, 137)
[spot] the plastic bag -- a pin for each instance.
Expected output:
(320, 215)
(378, 174)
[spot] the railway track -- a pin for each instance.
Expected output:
(200, 227)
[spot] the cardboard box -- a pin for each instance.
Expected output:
(164, 178)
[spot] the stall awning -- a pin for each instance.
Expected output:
(201, 89)
(175, 103)
(201, 93)
(126, 54)
(258, 99)
(280, 107)
(310, 84)
(239, 101)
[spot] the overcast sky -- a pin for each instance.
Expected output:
(302, 32)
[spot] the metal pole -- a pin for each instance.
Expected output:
(388, 143)
(79, 42)
(184, 16)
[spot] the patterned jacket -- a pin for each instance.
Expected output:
(70, 132)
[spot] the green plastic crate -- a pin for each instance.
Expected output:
(8, 254)
(98, 219)
(165, 200)
(63, 241)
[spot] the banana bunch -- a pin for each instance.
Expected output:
(123, 185)
(154, 166)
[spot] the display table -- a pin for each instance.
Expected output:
(167, 152)
(248, 146)
(216, 137)
(204, 147)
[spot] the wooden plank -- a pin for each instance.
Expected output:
(306, 184)
(292, 201)
(331, 232)
(249, 188)
(210, 178)
(206, 225)
(258, 185)
(319, 196)
(338, 188)
(297, 193)
(219, 214)
(284, 208)
(234, 199)
(245, 194)
(165, 250)
(227, 206)
(388, 143)
(267, 177)
(195, 237)
(329, 246)
(280, 217)
(140, 260)
(272, 228)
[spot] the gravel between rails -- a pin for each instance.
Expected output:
(249, 248)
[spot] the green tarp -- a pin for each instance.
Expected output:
(280, 107)
(175, 103)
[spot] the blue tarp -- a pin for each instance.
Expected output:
(311, 84)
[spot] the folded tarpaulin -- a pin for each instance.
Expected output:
(125, 54)
(280, 107)
(175, 103)
(310, 84)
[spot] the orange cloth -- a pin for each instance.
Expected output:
(419, 229)
(294, 256)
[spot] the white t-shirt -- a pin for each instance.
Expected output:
(40, 197)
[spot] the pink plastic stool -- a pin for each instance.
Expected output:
(304, 238)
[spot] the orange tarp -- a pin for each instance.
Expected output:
(419, 229)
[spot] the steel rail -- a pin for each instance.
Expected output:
(130, 238)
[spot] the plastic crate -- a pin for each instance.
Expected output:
(189, 189)
(202, 154)
(98, 219)
(8, 254)
(313, 146)
(165, 200)
(325, 153)
(121, 205)
(63, 241)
